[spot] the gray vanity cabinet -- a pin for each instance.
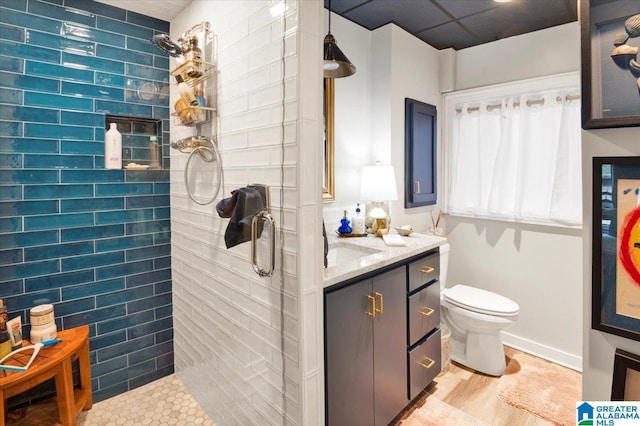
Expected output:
(365, 337)
(382, 341)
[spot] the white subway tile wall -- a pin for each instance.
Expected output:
(249, 348)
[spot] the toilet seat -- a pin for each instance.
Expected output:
(481, 301)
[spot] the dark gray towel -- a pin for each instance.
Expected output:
(240, 208)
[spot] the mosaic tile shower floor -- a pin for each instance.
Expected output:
(163, 402)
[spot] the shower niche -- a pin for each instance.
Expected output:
(142, 147)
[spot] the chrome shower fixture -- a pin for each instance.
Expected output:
(192, 142)
(164, 42)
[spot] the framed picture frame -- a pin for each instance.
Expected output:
(610, 34)
(626, 377)
(616, 246)
(328, 172)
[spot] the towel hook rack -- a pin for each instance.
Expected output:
(266, 216)
(207, 149)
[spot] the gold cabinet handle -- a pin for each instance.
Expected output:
(427, 269)
(429, 364)
(416, 184)
(373, 306)
(381, 310)
(426, 311)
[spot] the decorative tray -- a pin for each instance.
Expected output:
(351, 235)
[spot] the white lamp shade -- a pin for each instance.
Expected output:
(378, 184)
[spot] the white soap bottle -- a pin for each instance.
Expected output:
(113, 148)
(358, 222)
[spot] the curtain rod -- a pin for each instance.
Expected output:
(530, 102)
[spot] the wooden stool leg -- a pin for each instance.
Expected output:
(64, 389)
(84, 364)
(3, 409)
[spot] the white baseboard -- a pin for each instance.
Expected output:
(554, 355)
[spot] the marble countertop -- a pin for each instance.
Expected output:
(374, 254)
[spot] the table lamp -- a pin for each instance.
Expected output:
(378, 186)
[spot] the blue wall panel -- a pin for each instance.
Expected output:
(94, 242)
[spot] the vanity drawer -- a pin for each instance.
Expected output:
(424, 270)
(424, 312)
(424, 364)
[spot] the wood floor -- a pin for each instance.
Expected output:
(476, 395)
(470, 392)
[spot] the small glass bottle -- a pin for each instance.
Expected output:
(344, 227)
(193, 58)
(154, 162)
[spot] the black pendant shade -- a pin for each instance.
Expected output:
(336, 64)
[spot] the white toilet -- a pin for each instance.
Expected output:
(476, 317)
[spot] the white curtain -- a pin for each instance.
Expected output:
(518, 159)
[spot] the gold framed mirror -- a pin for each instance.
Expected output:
(328, 182)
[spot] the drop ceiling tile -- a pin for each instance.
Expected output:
(517, 19)
(340, 6)
(448, 35)
(411, 15)
(460, 8)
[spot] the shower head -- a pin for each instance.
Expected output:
(163, 42)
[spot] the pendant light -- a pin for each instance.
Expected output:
(336, 64)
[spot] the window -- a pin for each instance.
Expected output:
(513, 152)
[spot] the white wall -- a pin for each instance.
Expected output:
(538, 267)
(415, 75)
(555, 50)
(369, 111)
(249, 348)
(599, 347)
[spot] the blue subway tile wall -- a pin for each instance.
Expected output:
(93, 242)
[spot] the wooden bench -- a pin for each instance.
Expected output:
(54, 362)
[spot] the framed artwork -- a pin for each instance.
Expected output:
(626, 377)
(616, 246)
(610, 39)
(328, 182)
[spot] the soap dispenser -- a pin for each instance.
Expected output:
(344, 227)
(113, 148)
(358, 222)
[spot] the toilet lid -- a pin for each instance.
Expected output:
(478, 300)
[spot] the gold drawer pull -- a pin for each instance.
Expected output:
(427, 269)
(429, 365)
(373, 306)
(381, 310)
(426, 311)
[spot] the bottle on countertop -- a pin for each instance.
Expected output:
(113, 148)
(344, 227)
(358, 222)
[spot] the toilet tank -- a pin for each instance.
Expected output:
(444, 264)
